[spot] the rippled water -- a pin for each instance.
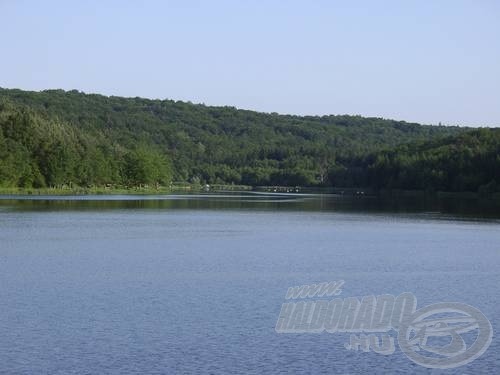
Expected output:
(194, 284)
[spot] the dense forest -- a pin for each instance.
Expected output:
(59, 138)
(469, 161)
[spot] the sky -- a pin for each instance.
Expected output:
(413, 60)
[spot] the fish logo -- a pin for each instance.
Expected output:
(432, 336)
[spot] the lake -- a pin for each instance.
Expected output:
(195, 283)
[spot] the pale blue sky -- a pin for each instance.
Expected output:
(425, 61)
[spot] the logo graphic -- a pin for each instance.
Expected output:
(441, 335)
(444, 322)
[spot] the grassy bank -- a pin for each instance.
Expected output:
(116, 190)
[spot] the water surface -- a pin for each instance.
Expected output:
(194, 284)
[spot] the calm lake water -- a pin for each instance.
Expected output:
(195, 284)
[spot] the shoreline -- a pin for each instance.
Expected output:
(161, 190)
(192, 188)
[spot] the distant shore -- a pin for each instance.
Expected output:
(99, 190)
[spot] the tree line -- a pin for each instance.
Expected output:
(56, 137)
(466, 162)
(39, 152)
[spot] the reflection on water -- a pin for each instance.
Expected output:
(433, 205)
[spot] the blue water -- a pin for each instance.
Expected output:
(197, 286)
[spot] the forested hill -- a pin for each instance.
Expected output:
(54, 138)
(466, 162)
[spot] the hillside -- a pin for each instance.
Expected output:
(54, 137)
(466, 162)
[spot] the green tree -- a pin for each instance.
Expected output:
(147, 166)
